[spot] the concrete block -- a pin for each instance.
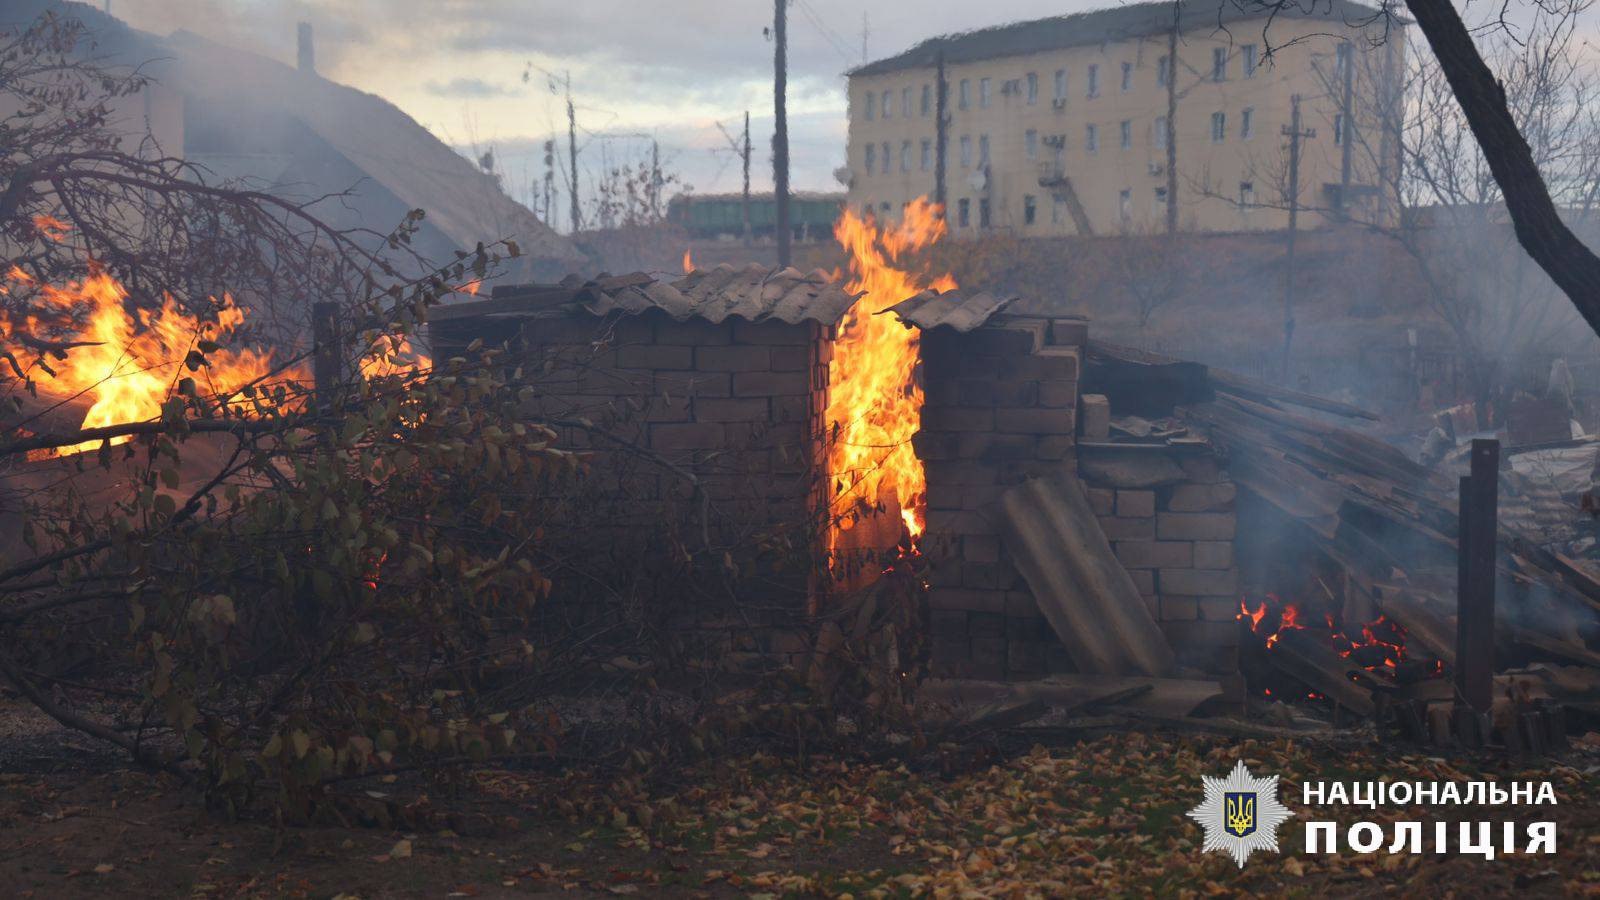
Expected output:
(1103, 501)
(980, 548)
(1096, 417)
(1213, 554)
(1033, 421)
(1058, 393)
(736, 358)
(1219, 609)
(958, 418)
(655, 356)
(689, 436)
(1179, 526)
(1179, 609)
(1154, 554)
(771, 332)
(966, 600)
(744, 410)
(770, 384)
(1198, 582)
(694, 332)
(1136, 503)
(1120, 529)
(1202, 497)
(1055, 446)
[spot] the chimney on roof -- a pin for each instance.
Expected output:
(308, 51)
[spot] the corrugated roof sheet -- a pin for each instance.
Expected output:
(1107, 25)
(963, 312)
(755, 293)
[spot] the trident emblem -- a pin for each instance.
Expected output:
(1239, 812)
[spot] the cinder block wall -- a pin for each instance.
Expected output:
(739, 405)
(1000, 407)
(1170, 518)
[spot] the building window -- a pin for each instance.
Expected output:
(1248, 54)
(983, 212)
(1219, 127)
(983, 149)
(927, 100)
(1091, 138)
(1125, 134)
(1219, 63)
(1247, 122)
(1127, 76)
(1056, 206)
(1061, 86)
(1338, 128)
(1158, 133)
(1247, 194)
(1161, 201)
(983, 93)
(1030, 143)
(888, 104)
(1030, 209)
(888, 159)
(1341, 61)
(1060, 157)
(905, 102)
(966, 151)
(1033, 88)
(963, 212)
(872, 105)
(965, 97)
(927, 154)
(1125, 204)
(905, 156)
(872, 157)
(1163, 71)
(1094, 81)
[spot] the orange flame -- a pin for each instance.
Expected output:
(875, 403)
(688, 261)
(126, 364)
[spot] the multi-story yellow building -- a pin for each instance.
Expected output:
(1059, 126)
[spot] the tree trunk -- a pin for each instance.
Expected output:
(1572, 266)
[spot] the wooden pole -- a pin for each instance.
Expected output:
(744, 203)
(780, 137)
(1476, 547)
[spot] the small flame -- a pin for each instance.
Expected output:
(52, 228)
(688, 261)
(875, 403)
(472, 287)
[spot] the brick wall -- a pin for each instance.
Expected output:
(1000, 407)
(1170, 517)
(739, 405)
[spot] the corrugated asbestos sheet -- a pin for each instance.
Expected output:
(1087, 596)
(963, 312)
(755, 293)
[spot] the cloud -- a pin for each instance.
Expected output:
(471, 87)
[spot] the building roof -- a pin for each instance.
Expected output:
(755, 293)
(390, 147)
(1104, 26)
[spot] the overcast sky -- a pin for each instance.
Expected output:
(670, 69)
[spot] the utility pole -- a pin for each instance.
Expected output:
(1172, 122)
(941, 132)
(744, 202)
(1294, 133)
(780, 137)
(655, 180)
(1347, 124)
(572, 153)
(865, 30)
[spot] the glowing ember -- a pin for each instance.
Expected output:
(1380, 648)
(126, 363)
(875, 404)
(688, 262)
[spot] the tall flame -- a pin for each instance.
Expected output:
(688, 261)
(875, 403)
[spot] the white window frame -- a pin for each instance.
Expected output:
(1033, 88)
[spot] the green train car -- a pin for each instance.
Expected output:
(811, 215)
